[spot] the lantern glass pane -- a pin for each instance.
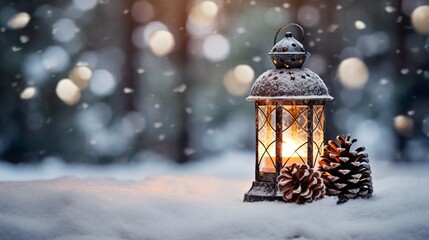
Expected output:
(318, 131)
(266, 130)
(295, 134)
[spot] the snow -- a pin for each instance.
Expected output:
(289, 84)
(156, 199)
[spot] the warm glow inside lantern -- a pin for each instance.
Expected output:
(290, 119)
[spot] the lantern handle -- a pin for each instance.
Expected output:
(286, 26)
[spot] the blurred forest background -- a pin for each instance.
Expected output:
(102, 81)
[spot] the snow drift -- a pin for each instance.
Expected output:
(179, 205)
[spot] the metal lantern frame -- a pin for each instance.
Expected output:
(279, 114)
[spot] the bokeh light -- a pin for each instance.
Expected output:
(403, 125)
(216, 48)
(420, 19)
(353, 73)
(102, 83)
(373, 44)
(237, 81)
(277, 16)
(28, 93)
(94, 118)
(55, 59)
(201, 15)
(308, 16)
(85, 5)
(80, 75)
(142, 11)
(64, 30)
(161, 43)
(33, 68)
(135, 121)
(209, 8)
(19, 20)
(142, 34)
(201, 18)
(68, 92)
(244, 73)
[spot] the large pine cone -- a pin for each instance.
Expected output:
(300, 184)
(346, 173)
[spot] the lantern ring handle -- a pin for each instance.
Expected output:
(286, 26)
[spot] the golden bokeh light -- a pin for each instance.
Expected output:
(420, 19)
(161, 43)
(80, 75)
(237, 80)
(209, 8)
(353, 73)
(28, 93)
(68, 92)
(19, 20)
(244, 73)
(403, 125)
(202, 15)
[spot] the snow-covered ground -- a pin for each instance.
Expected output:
(158, 200)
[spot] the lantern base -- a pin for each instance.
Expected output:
(262, 191)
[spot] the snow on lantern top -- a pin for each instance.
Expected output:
(289, 80)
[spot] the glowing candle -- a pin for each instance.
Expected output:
(290, 154)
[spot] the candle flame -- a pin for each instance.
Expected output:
(289, 149)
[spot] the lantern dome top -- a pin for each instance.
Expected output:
(288, 52)
(289, 84)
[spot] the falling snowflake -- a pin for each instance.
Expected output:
(180, 89)
(128, 90)
(241, 30)
(256, 59)
(384, 81)
(23, 39)
(405, 71)
(207, 118)
(390, 9)
(85, 105)
(332, 27)
(28, 93)
(161, 137)
(188, 151)
(360, 25)
(16, 49)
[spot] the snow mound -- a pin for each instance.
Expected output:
(203, 207)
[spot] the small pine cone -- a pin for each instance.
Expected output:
(346, 173)
(300, 184)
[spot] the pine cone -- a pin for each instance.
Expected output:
(346, 173)
(300, 184)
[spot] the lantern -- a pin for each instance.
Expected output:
(290, 116)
